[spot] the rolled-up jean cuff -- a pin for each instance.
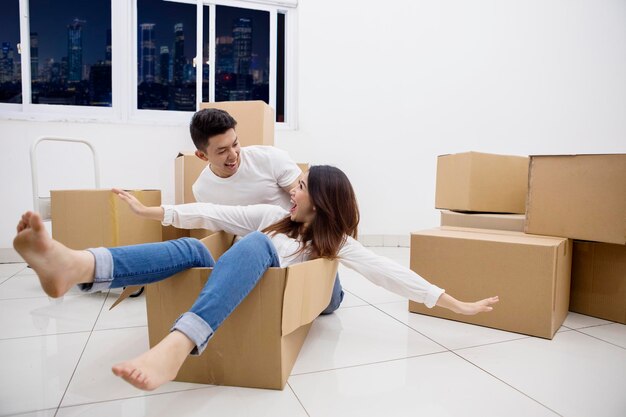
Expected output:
(196, 329)
(103, 271)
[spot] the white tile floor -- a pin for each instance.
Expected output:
(371, 358)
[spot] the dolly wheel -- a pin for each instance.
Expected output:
(137, 293)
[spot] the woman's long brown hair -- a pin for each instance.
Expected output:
(337, 213)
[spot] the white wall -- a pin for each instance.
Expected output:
(384, 90)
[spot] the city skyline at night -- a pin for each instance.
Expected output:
(71, 53)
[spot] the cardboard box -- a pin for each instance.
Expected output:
(599, 280)
(530, 274)
(494, 221)
(255, 120)
(578, 196)
(91, 218)
(187, 169)
(258, 344)
(474, 181)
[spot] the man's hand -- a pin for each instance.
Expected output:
(153, 213)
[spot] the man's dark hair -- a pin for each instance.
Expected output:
(207, 123)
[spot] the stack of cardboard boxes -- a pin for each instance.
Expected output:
(258, 344)
(481, 249)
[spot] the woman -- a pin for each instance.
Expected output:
(322, 223)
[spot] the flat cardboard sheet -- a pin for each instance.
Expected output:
(493, 221)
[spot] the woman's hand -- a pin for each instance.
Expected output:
(468, 309)
(153, 213)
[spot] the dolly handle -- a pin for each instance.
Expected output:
(33, 166)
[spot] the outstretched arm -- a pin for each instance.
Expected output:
(404, 282)
(153, 213)
(468, 309)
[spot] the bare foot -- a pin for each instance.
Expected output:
(158, 365)
(58, 267)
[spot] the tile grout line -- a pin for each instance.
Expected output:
(506, 383)
(597, 338)
(370, 363)
(144, 395)
(471, 363)
(298, 398)
(81, 354)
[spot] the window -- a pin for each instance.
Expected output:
(70, 52)
(65, 58)
(166, 78)
(10, 65)
(241, 54)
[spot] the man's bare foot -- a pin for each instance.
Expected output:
(58, 267)
(158, 365)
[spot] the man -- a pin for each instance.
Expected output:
(235, 175)
(243, 176)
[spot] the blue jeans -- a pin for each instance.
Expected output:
(231, 280)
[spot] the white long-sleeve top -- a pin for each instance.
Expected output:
(241, 220)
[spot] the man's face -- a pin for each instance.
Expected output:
(222, 154)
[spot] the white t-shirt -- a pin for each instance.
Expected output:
(241, 220)
(262, 172)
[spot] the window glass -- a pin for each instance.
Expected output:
(241, 54)
(10, 64)
(166, 36)
(280, 68)
(206, 43)
(71, 52)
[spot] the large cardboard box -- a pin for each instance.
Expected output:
(255, 120)
(530, 274)
(187, 169)
(258, 344)
(578, 196)
(474, 181)
(599, 280)
(494, 221)
(91, 218)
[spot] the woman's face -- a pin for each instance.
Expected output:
(303, 210)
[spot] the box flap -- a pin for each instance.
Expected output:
(218, 243)
(308, 290)
(127, 292)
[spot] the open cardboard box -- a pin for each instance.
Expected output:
(599, 280)
(84, 219)
(257, 345)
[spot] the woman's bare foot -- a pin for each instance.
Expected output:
(58, 267)
(158, 365)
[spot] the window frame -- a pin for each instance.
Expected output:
(124, 68)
